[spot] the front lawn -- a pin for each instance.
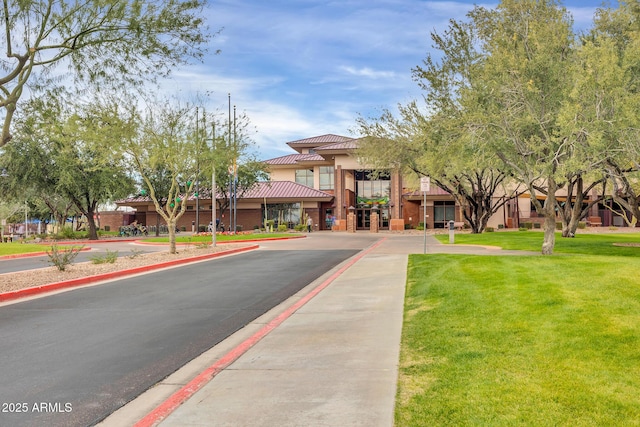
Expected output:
(520, 340)
(594, 244)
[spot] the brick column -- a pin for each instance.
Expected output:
(351, 222)
(374, 222)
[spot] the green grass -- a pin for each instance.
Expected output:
(522, 340)
(15, 248)
(590, 244)
(221, 237)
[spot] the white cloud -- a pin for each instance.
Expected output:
(368, 72)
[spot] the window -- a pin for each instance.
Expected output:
(372, 190)
(326, 178)
(305, 177)
(282, 213)
(443, 212)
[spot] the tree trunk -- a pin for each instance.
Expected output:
(549, 235)
(172, 237)
(93, 231)
(549, 213)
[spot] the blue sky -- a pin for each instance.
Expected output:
(302, 68)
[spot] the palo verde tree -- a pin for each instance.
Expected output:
(167, 142)
(106, 42)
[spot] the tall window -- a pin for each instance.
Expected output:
(305, 177)
(326, 178)
(372, 191)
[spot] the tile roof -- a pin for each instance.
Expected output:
(263, 189)
(344, 145)
(285, 190)
(323, 139)
(293, 159)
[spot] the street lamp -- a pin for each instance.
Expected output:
(214, 189)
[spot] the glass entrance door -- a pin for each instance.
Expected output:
(363, 219)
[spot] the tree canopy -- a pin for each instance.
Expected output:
(558, 110)
(118, 41)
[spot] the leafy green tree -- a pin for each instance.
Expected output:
(106, 42)
(527, 74)
(420, 144)
(436, 140)
(67, 156)
(611, 80)
(90, 154)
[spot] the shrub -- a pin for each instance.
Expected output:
(67, 233)
(283, 227)
(107, 228)
(62, 258)
(537, 225)
(109, 257)
(582, 225)
(299, 227)
(135, 253)
(522, 229)
(527, 225)
(489, 229)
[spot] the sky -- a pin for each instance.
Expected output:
(304, 68)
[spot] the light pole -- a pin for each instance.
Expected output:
(235, 175)
(214, 190)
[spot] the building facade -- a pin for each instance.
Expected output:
(324, 179)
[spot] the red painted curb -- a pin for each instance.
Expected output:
(172, 403)
(21, 293)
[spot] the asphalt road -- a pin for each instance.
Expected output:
(73, 358)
